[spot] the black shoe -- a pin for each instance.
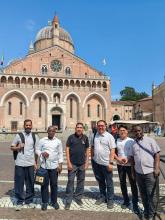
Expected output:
(110, 205)
(79, 202)
(136, 209)
(100, 201)
(67, 206)
(44, 206)
(55, 205)
(125, 205)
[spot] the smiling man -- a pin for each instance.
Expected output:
(102, 155)
(77, 154)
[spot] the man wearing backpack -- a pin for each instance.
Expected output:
(23, 147)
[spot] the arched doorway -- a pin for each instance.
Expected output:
(116, 117)
(57, 117)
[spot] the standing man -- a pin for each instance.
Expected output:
(50, 152)
(102, 155)
(146, 159)
(124, 145)
(77, 155)
(24, 165)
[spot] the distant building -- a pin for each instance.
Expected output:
(52, 85)
(122, 110)
(158, 95)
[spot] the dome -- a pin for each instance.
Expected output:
(46, 33)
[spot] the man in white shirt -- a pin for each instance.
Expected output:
(50, 152)
(124, 145)
(102, 155)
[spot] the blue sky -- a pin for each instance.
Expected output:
(129, 34)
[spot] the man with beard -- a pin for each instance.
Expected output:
(23, 147)
(146, 160)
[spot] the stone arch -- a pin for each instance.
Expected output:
(54, 82)
(93, 84)
(3, 79)
(39, 92)
(72, 93)
(99, 84)
(88, 84)
(15, 91)
(78, 83)
(56, 97)
(48, 82)
(36, 81)
(30, 81)
(96, 94)
(83, 83)
(17, 81)
(66, 83)
(60, 83)
(72, 83)
(57, 115)
(23, 80)
(42, 82)
(10, 80)
(104, 84)
(116, 117)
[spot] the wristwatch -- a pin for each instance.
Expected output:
(111, 162)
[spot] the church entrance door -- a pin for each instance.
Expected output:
(56, 120)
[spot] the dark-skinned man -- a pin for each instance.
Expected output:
(146, 162)
(50, 152)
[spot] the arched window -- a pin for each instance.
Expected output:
(40, 104)
(44, 69)
(88, 110)
(9, 108)
(71, 108)
(98, 111)
(68, 71)
(21, 105)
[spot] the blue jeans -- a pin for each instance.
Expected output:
(149, 191)
(52, 178)
(24, 175)
(105, 181)
(78, 171)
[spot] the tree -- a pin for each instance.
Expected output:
(129, 94)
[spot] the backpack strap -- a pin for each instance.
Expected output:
(94, 137)
(22, 137)
(34, 139)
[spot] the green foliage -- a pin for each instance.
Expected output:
(129, 94)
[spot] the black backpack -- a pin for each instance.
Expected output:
(15, 153)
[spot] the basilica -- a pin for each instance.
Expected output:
(52, 85)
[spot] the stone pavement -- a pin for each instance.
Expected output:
(89, 209)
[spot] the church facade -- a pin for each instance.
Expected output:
(51, 85)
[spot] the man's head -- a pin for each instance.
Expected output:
(51, 131)
(28, 125)
(79, 128)
(123, 131)
(138, 131)
(101, 126)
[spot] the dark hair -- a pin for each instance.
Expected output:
(51, 126)
(123, 126)
(27, 120)
(102, 121)
(79, 123)
(134, 127)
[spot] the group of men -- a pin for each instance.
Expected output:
(138, 158)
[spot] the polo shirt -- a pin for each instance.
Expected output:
(26, 158)
(103, 143)
(77, 148)
(144, 162)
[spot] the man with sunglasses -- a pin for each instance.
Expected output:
(146, 160)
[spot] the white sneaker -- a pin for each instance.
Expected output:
(18, 207)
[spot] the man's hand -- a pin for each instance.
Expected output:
(124, 160)
(70, 167)
(45, 154)
(59, 168)
(156, 172)
(35, 167)
(110, 167)
(86, 165)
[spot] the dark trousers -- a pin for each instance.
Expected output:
(24, 175)
(52, 178)
(123, 171)
(149, 191)
(78, 171)
(105, 181)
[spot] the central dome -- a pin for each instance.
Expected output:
(47, 33)
(52, 35)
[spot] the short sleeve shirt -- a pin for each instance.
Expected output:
(144, 161)
(25, 158)
(103, 143)
(77, 148)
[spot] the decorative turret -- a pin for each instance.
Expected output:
(31, 48)
(153, 85)
(56, 30)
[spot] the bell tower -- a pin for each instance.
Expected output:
(56, 31)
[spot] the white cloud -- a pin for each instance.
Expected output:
(30, 25)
